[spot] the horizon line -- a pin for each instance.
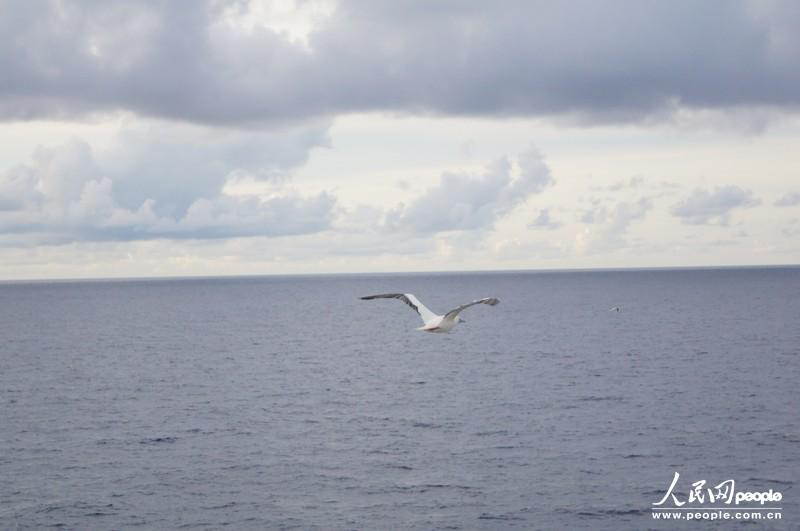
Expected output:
(379, 273)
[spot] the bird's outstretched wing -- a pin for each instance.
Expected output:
(409, 299)
(491, 301)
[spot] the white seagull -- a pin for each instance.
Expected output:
(433, 322)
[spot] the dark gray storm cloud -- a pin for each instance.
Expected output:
(613, 60)
(705, 207)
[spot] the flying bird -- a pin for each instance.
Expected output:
(615, 309)
(433, 322)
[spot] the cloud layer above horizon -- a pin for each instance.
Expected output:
(209, 62)
(278, 133)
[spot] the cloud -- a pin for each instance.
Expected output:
(175, 164)
(216, 62)
(610, 226)
(633, 182)
(788, 199)
(544, 221)
(463, 201)
(792, 229)
(65, 194)
(625, 213)
(713, 208)
(597, 213)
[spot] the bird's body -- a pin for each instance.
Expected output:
(433, 323)
(440, 324)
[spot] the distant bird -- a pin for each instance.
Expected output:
(615, 309)
(433, 322)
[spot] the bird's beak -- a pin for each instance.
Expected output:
(461, 320)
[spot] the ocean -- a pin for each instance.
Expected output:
(288, 403)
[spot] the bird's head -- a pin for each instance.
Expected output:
(459, 319)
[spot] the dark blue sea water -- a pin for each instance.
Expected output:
(288, 403)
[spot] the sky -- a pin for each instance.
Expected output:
(226, 137)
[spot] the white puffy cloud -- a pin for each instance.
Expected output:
(462, 201)
(788, 199)
(65, 194)
(610, 225)
(544, 221)
(175, 164)
(714, 207)
(632, 182)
